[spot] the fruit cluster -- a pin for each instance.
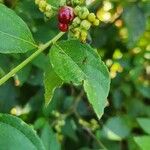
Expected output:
(75, 17)
(44, 7)
(65, 17)
(75, 2)
(82, 23)
(58, 124)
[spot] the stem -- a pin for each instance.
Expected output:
(29, 59)
(95, 138)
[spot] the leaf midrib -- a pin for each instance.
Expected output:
(15, 37)
(87, 78)
(73, 61)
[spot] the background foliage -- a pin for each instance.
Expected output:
(69, 123)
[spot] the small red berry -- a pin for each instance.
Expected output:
(65, 14)
(63, 27)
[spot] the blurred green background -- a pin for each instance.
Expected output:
(69, 123)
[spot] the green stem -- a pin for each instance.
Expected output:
(29, 59)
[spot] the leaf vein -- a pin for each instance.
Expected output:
(12, 36)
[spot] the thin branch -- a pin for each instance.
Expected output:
(95, 138)
(29, 59)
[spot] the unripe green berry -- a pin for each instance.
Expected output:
(77, 34)
(96, 22)
(56, 114)
(83, 38)
(83, 33)
(77, 10)
(41, 9)
(83, 13)
(57, 128)
(85, 24)
(37, 2)
(42, 4)
(84, 9)
(62, 2)
(48, 14)
(91, 17)
(61, 122)
(77, 30)
(76, 21)
(48, 8)
(77, 2)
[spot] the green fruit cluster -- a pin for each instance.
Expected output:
(44, 7)
(58, 123)
(83, 22)
(75, 2)
(91, 125)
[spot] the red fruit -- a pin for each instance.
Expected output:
(65, 14)
(63, 27)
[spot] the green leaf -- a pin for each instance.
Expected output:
(143, 142)
(7, 101)
(145, 124)
(115, 129)
(49, 138)
(146, 8)
(36, 77)
(131, 144)
(2, 73)
(144, 90)
(15, 36)
(69, 130)
(15, 134)
(135, 22)
(42, 61)
(56, 102)
(51, 82)
(78, 63)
